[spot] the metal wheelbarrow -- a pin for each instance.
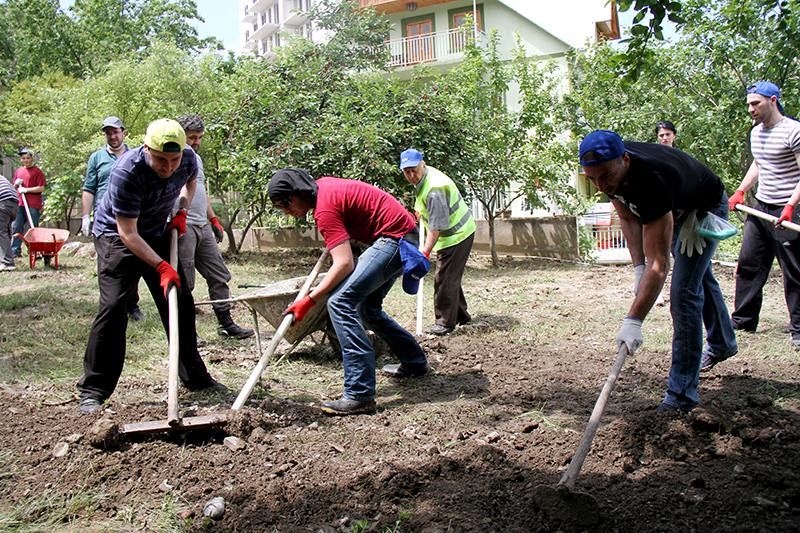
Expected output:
(45, 243)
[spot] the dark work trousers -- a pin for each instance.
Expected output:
(449, 303)
(762, 242)
(118, 271)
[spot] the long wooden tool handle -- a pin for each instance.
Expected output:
(255, 375)
(27, 211)
(419, 291)
(594, 422)
(760, 214)
(173, 418)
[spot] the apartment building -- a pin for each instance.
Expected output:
(262, 23)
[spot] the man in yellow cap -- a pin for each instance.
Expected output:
(132, 235)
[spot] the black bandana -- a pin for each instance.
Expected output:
(292, 181)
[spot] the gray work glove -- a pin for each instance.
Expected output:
(86, 225)
(638, 272)
(630, 334)
(690, 238)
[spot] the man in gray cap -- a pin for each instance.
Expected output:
(97, 171)
(775, 145)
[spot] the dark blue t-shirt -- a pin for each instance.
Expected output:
(663, 179)
(136, 191)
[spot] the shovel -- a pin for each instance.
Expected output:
(561, 501)
(760, 214)
(174, 420)
(255, 375)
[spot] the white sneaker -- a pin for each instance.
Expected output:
(7, 267)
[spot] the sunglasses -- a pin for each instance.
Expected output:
(286, 202)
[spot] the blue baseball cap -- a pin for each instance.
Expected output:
(607, 144)
(768, 89)
(415, 266)
(410, 158)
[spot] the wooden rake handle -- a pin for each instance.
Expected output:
(760, 214)
(594, 422)
(173, 417)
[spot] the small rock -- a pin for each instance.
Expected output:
(75, 437)
(257, 435)
(234, 444)
(186, 514)
(60, 449)
(432, 449)
(336, 447)
(214, 508)
(165, 487)
(494, 436)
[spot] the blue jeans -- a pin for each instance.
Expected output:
(695, 299)
(356, 304)
(19, 226)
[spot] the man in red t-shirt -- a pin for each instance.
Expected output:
(29, 180)
(344, 210)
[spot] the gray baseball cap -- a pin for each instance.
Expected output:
(112, 122)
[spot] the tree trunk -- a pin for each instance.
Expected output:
(492, 246)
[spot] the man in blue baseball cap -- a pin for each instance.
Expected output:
(775, 145)
(660, 193)
(451, 231)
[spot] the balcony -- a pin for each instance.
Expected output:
(259, 6)
(264, 31)
(250, 45)
(439, 46)
(295, 13)
(250, 17)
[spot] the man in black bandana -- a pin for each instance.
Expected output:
(344, 210)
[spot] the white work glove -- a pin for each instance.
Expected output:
(630, 334)
(86, 225)
(18, 182)
(638, 272)
(690, 238)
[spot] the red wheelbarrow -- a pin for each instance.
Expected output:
(44, 242)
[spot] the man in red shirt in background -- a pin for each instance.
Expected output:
(29, 180)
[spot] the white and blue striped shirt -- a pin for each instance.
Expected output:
(774, 150)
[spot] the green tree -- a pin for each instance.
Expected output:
(509, 154)
(37, 36)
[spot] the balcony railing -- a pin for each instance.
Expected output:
(439, 46)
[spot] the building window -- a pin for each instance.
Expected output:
(247, 35)
(263, 18)
(255, 26)
(264, 47)
(277, 17)
(246, 10)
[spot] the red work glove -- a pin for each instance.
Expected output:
(300, 309)
(786, 215)
(416, 215)
(736, 199)
(178, 221)
(168, 277)
(216, 227)
(426, 254)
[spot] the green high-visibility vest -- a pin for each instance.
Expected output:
(460, 224)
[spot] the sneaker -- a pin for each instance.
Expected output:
(137, 315)
(212, 384)
(89, 405)
(439, 330)
(200, 342)
(345, 406)
(796, 340)
(6, 268)
(670, 408)
(399, 371)
(710, 360)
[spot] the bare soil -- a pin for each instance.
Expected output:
(460, 450)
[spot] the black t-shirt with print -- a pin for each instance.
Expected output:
(663, 179)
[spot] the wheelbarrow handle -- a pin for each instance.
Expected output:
(23, 239)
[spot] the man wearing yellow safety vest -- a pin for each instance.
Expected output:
(450, 232)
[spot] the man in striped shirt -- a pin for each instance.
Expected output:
(775, 144)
